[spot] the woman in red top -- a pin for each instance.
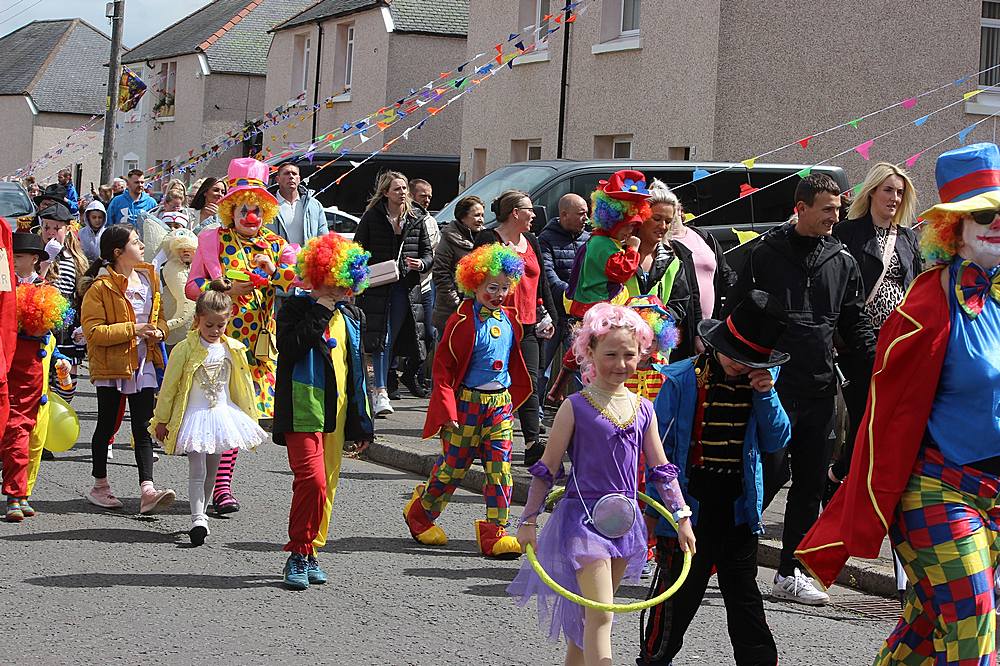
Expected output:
(532, 300)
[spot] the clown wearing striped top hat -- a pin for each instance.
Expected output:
(256, 263)
(926, 465)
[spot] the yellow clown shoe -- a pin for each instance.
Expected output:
(495, 542)
(422, 528)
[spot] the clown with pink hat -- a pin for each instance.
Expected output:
(253, 263)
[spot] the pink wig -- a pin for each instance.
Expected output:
(600, 320)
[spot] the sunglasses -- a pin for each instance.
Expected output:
(985, 216)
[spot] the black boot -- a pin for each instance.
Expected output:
(415, 388)
(533, 453)
(392, 385)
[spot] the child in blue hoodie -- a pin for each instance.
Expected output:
(718, 413)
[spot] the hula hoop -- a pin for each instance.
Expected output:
(612, 607)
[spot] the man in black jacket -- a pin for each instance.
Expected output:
(819, 284)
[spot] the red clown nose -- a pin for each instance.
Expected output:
(252, 218)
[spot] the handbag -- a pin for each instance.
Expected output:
(385, 272)
(890, 246)
(264, 348)
(613, 515)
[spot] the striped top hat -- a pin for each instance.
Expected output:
(968, 180)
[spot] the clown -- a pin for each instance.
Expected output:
(611, 257)
(647, 380)
(480, 378)
(926, 464)
(40, 310)
(322, 400)
(256, 262)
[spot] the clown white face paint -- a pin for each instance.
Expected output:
(247, 220)
(981, 242)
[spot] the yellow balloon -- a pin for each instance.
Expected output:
(64, 425)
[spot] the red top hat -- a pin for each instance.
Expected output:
(626, 184)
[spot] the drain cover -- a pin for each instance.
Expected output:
(876, 608)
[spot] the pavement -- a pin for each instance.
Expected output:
(83, 585)
(398, 445)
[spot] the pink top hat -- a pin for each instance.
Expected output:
(246, 173)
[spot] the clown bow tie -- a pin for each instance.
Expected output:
(486, 313)
(974, 286)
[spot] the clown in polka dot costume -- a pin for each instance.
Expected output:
(257, 262)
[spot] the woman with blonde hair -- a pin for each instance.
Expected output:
(877, 233)
(392, 229)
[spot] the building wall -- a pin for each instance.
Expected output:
(415, 60)
(280, 85)
(166, 139)
(240, 99)
(786, 74)
(18, 134)
(50, 130)
(640, 92)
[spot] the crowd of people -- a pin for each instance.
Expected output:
(663, 369)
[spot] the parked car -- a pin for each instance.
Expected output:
(16, 206)
(343, 223)
(715, 199)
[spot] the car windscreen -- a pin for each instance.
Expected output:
(14, 202)
(488, 188)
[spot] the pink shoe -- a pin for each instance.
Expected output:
(156, 500)
(102, 497)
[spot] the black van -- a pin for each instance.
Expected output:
(715, 198)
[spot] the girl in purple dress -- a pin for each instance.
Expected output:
(596, 535)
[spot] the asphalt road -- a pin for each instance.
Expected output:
(82, 585)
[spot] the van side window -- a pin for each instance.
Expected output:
(775, 205)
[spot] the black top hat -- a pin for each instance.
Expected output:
(29, 243)
(749, 334)
(54, 192)
(57, 212)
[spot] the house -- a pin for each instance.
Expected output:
(205, 77)
(726, 81)
(363, 55)
(52, 81)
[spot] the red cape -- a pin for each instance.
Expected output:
(909, 358)
(451, 362)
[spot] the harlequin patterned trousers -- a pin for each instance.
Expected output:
(485, 429)
(945, 532)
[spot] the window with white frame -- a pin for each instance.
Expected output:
(166, 93)
(129, 165)
(630, 17)
(344, 59)
(300, 63)
(621, 148)
(989, 45)
(613, 146)
(534, 151)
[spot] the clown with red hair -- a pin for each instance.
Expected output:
(322, 400)
(480, 378)
(256, 263)
(926, 463)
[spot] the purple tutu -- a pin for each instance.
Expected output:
(565, 544)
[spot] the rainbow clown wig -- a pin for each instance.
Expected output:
(600, 320)
(664, 328)
(333, 261)
(40, 309)
(622, 199)
(486, 261)
(941, 237)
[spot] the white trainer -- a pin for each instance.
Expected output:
(798, 588)
(381, 404)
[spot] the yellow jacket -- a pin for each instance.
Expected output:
(186, 357)
(109, 326)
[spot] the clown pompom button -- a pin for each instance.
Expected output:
(495, 331)
(498, 364)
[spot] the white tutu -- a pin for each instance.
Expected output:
(218, 429)
(212, 423)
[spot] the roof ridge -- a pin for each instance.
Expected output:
(49, 57)
(231, 23)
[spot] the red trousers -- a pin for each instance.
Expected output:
(24, 389)
(305, 457)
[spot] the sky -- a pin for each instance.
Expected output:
(143, 18)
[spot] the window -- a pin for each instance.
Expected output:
(478, 163)
(989, 45)
(300, 64)
(344, 61)
(129, 165)
(532, 13)
(166, 91)
(534, 150)
(630, 17)
(613, 146)
(679, 153)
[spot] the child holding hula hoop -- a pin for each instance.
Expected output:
(596, 535)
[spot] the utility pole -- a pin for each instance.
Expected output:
(563, 82)
(115, 10)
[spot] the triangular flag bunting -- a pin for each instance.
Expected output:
(912, 159)
(854, 123)
(363, 138)
(921, 120)
(964, 133)
(863, 148)
(571, 19)
(804, 173)
(971, 93)
(805, 141)
(909, 103)
(749, 163)
(699, 174)
(432, 110)
(856, 190)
